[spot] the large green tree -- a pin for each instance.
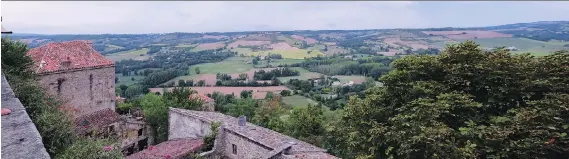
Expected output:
(307, 124)
(464, 103)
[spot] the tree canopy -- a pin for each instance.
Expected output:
(464, 103)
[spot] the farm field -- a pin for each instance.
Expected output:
(304, 75)
(298, 101)
(229, 65)
(112, 47)
(258, 92)
(127, 80)
(208, 46)
(290, 54)
(131, 54)
(356, 79)
(263, 63)
(538, 48)
(186, 45)
(210, 79)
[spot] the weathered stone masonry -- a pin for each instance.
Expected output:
(20, 138)
(88, 89)
(238, 141)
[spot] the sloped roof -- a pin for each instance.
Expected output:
(98, 119)
(170, 149)
(69, 55)
(261, 135)
(201, 97)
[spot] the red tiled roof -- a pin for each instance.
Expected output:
(66, 56)
(172, 148)
(201, 97)
(98, 119)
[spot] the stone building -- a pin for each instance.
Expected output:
(83, 79)
(208, 103)
(134, 135)
(237, 139)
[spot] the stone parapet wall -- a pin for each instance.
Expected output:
(20, 138)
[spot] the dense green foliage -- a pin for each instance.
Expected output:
(465, 103)
(93, 149)
(155, 109)
(51, 119)
(374, 66)
(272, 74)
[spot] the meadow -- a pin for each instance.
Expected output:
(127, 80)
(537, 48)
(130, 54)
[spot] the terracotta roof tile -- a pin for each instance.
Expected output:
(174, 148)
(98, 119)
(201, 97)
(69, 55)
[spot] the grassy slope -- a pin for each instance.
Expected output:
(127, 80)
(298, 101)
(304, 75)
(534, 47)
(229, 65)
(277, 62)
(131, 54)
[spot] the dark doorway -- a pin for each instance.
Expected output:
(142, 144)
(130, 150)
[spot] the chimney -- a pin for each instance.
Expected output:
(242, 120)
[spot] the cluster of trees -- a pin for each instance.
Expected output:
(305, 123)
(155, 108)
(178, 60)
(55, 126)
(155, 78)
(253, 83)
(464, 103)
(337, 96)
(272, 74)
(335, 65)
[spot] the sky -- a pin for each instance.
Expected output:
(115, 17)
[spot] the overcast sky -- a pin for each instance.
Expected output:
(176, 16)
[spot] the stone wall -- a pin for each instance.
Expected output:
(20, 138)
(188, 126)
(184, 126)
(89, 90)
(245, 147)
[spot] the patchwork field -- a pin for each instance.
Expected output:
(110, 47)
(258, 92)
(304, 75)
(469, 34)
(307, 40)
(356, 79)
(237, 43)
(131, 54)
(208, 46)
(127, 80)
(298, 101)
(292, 54)
(229, 65)
(277, 62)
(413, 44)
(186, 45)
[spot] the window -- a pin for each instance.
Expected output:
(59, 83)
(111, 129)
(234, 149)
(139, 132)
